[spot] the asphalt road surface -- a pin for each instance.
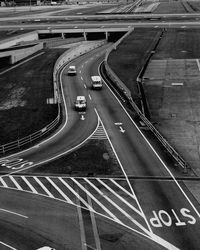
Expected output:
(162, 210)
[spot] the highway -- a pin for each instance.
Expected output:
(163, 210)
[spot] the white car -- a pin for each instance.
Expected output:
(71, 70)
(46, 248)
(80, 103)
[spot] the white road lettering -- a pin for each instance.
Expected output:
(163, 218)
(16, 163)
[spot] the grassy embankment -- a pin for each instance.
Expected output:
(23, 97)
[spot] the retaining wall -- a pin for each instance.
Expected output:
(12, 41)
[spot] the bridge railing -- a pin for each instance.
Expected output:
(120, 85)
(60, 63)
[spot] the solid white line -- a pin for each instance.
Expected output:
(117, 207)
(124, 190)
(81, 225)
(7, 245)
(3, 182)
(198, 64)
(10, 212)
(43, 187)
(29, 185)
(15, 182)
(75, 193)
(187, 198)
(126, 177)
(94, 226)
(21, 63)
(99, 203)
(119, 197)
(59, 190)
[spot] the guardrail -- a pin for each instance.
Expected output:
(114, 78)
(60, 63)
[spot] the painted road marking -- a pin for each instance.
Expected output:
(82, 230)
(198, 64)
(90, 97)
(94, 226)
(82, 117)
(125, 175)
(59, 190)
(29, 185)
(15, 182)
(2, 243)
(164, 218)
(100, 204)
(118, 123)
(43, 187)
(15, 163)
(120, 198)
(152, 148)
(3, 182)
(123, 189)
(81, 78)
(117, 207)
(76, 194)
(121, 129)
(85, 86)
(11, 212)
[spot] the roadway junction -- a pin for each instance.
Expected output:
(143, 203)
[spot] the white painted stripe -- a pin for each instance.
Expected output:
(150, 230)
(21, 63)
(2, 243)
(10, 212)
(124, 190)
(3, 182)
(184, 194)
(198, 64)
(117, 207)
(29, 185)
(81, 78)
(43, 187)
(75, 193)
(81, 224)
(80, 71)
(94, 226)
(59, 190)
(99, 203)
(15, 182)
(85, 86)
(90, 97)
(120, 198)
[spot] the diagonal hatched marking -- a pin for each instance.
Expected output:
(15, 182)
(99, 133)
(76, 194)
(29, 185)
(116, 206)
(3, 182)
(43, 187)
(60, 191)
(99, 203)
(123, 189)
(119, 197)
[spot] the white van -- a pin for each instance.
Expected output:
(80, 103)
(71, 70)
(96, 82)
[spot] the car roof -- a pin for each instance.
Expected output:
(79, 98)
(72, 67)
(96, 78)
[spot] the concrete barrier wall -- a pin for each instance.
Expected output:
(68, 56)
(11, 41)
(23, 53)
